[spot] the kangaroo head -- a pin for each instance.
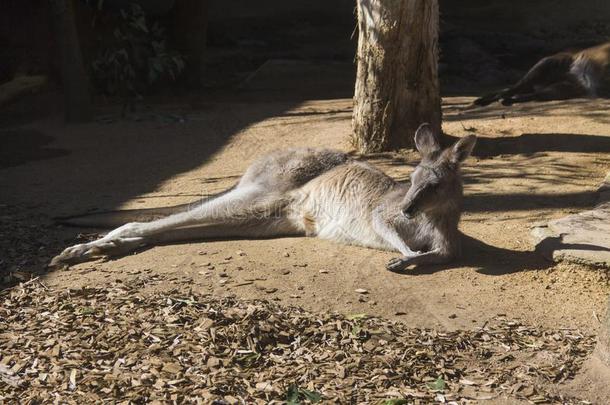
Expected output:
(436, 181)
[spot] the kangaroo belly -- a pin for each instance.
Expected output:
(338, 205)
(346, 223)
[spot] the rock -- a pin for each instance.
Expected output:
(361, 291)
(580, 238)
(604, 190)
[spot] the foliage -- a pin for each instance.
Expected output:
(294, 395)
(437, 385)
(137, 58)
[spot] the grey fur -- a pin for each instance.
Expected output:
(322, 193)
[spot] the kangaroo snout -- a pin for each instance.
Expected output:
(409, 210)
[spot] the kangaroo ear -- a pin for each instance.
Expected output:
(425, 140)
(462, 149)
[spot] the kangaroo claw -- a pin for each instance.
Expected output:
(397, 264)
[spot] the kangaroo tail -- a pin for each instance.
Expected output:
(113, 219)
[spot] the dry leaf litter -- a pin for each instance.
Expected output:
(115, 344)
(27, 243)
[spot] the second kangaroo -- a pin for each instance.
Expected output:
(313, 192)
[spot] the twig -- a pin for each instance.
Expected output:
(30, 281)
(8, 377)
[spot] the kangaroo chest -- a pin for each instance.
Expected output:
(338, 204)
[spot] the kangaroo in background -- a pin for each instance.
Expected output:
(314, 192)
(561, 76)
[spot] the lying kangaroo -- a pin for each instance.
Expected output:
(323, 193)
(561, 76)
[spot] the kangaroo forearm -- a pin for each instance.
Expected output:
(435, 256)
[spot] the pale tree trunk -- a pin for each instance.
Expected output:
(74, 79)
(397, 82)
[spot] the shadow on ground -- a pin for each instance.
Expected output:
(461, 109)
(59, 169)
(20, 146)
(527, 144)
(495, 261)
(487, 259)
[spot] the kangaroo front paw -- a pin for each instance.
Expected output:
(397, 264)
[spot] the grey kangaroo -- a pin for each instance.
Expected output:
(561, 76)
(315, 192)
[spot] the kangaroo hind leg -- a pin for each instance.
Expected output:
(547, 71)
(559, 91)
(227, 208)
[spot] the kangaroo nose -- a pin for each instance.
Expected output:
(408, 211)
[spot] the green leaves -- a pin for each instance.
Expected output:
(437, 385)
(394, 402)
(294, 395)
(137, 58)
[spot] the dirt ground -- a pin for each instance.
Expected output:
(532, 163)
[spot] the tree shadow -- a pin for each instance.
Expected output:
(528, 144)
(58, 170)
(461, 108)
(528, 201)
(20, 146)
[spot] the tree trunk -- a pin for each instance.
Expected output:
(397, 81)
(74, 79)
(190, 31)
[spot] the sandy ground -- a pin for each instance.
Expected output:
(532, 163)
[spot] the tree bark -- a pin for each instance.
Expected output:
(74, 79)
(397, 81)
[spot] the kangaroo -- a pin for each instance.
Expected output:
(321, 193)
(561, 76)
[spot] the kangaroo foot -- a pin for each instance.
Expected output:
(100, 248)
(508, 101)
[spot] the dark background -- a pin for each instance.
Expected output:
(484, 43)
